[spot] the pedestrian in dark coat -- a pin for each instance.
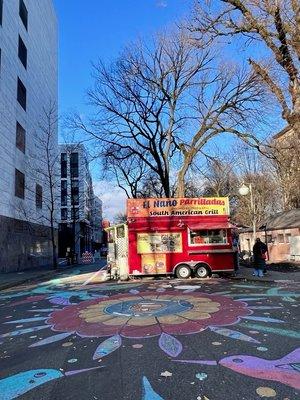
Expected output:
(259, 257)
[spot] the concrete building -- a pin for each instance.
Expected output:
(28, 83)
(282, 231)
(76, 200)
(97, 235)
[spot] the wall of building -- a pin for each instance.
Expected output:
(40, 80)
(278, 243)
(24, 245)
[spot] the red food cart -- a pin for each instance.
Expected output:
(180, 236)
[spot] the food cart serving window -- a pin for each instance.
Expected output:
(206, 236)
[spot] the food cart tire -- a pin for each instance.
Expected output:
(202, 271)
(183, 271)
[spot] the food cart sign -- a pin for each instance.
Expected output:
(177, 207)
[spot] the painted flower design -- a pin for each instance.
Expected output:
(147, 314)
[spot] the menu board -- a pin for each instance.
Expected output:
(166, 242)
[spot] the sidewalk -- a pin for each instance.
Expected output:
(245, 273)
(11, 279)
(85, 272)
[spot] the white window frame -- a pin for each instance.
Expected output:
(206, 244)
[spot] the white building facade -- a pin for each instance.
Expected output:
(28, 85)
(97, 230)
(76, 200)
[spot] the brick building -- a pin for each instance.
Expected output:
(283, 236)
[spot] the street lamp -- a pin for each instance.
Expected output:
(244, 190)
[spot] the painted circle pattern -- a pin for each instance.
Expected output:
(148, 314)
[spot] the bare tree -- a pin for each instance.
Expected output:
(120, 218)
(285, 158)
(255, 169)
(42, 188)
(139, 101)
(227, 101)
(158, 106)
(273, 24)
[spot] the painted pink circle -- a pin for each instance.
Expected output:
(70, 319)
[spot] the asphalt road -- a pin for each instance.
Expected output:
(164, 339)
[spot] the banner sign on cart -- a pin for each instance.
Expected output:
(177, 207)
(159, 243)
(154, 264)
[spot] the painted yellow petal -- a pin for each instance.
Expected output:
(195, 315)
(201, 300)
(171, 319)
(116, 321)
(99, 318)
(142, 321)
(206, 306)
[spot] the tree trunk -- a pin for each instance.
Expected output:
(180, 192)
(54, 255)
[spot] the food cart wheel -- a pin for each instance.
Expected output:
(202, 271)
(183, 271)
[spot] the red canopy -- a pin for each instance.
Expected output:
(210, 225)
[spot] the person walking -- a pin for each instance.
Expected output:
(259, 258)
(235, 248)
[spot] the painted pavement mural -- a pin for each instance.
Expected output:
(194, 327)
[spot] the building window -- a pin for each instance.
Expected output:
(74, 214)
(38, 196)
(64, 214)
(205, 236)
(63, 165)
(288, 238)
(74, 192)
(74, 165)
(269, 238)
(22, 52)
(20, 137)
(280, 238)
(1, 11)
(23, 13)
(21, 94)
(19, 184)
(64, 193)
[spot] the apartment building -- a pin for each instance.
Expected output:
(28, 85)
(76, 200)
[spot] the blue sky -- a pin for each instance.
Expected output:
(93, 29)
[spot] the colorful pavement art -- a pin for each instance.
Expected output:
(231, 327)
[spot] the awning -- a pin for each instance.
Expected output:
(210, 225)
